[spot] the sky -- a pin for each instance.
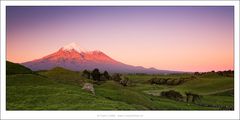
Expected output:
(170, 38)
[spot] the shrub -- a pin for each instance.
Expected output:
(116, 77)
(171, 94)
(102, 78)
(158, 80)
(125, 81)
(170, 82)
(163, 81)
(89, 87)
(176, 82)
(192, 97)
(151, 81)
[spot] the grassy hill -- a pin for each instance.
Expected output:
(14, 68)
(32, 92)
(61, 89)
(64, 76)
(216, 90)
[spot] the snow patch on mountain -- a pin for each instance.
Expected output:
(74, 46)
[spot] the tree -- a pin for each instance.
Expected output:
(116, 77)
(106, 75)
(125, 81)
(102, 78)
(197, 73)
(86, 74)
(96, 74)
(153, 80)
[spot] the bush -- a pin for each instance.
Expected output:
(103, 78)
(125, 81)
(116, 77)
(158, 80)
(171, 94)
(151, 81)
(192, 97)
(163, 81)
(177, 81)
(170, 82)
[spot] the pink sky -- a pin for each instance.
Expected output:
(171, 38)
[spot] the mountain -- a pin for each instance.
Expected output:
(74, 58)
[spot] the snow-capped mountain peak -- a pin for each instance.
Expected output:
(73, 46)
(75, 58)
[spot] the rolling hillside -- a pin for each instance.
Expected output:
(61, 89)
(14, 68)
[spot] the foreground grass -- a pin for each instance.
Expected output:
(61, 89)
(39, 93)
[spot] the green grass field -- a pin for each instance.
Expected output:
(61, 89)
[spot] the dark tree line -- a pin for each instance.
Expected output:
(170, 81)
(96, 75)
(226, 73)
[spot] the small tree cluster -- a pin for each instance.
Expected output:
(171, 94)
(226, 73)
(197, 73)
(96, 75)
(169, 81)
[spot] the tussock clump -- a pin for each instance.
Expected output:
(89, 87)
